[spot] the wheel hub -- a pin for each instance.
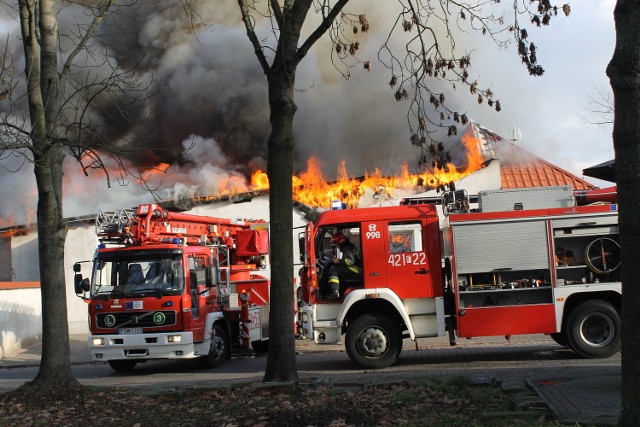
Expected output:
(374, 342)
(217, 346)
(597, 330)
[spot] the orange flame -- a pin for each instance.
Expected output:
(7, 221)
(311, 188)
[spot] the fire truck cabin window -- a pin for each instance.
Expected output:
(325, 235)
(197, 270)
(133, 275)
(405, 237)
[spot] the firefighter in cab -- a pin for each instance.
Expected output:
(345, 270)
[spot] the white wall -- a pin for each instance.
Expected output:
(20, 319)
(20, 309)
(80, 245)
(24, 257)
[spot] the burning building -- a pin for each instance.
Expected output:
(485, 161)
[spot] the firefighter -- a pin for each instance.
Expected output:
(346, 269)
(127, 237)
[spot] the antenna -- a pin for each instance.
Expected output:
(393, 149)
(515, 134)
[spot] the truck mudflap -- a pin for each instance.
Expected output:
(169, 345)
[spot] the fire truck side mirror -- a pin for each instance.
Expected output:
(81, 285)
(301, 241)
(214, 278)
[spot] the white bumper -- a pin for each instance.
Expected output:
(174, 345)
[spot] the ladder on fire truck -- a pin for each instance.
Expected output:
(111, 223)
(452, 201)
(110, 227)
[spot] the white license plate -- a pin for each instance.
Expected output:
(130, 330)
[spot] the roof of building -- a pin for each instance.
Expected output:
(605, 171)
(520, 168)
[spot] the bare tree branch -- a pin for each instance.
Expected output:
(599, 107)
(102, 11)
(251, 34)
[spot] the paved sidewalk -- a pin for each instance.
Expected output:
(575, 390)
(30, 356)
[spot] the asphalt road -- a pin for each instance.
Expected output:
(524, 358)
(577, 391)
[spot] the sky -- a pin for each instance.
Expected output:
(209, 112)
(550, 111)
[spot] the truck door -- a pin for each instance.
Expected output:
(198, 291)
(373, 254)
(408, 262)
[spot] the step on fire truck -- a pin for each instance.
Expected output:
(526, 261)
(171, 285)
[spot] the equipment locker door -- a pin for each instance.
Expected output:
(503, 278)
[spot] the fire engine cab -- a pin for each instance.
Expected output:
(168, 285)
(527, 261)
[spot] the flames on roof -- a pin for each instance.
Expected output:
(311, 188)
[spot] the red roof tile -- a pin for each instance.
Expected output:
(520, 168)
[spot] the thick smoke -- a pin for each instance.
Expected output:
(207, 113)
(207, 91)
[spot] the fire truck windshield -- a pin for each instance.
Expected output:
(136, 276)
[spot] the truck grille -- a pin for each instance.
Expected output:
(147, 319)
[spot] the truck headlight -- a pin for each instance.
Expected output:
(174, 338)
(97, 341)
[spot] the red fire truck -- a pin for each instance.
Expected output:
(171, 285)
(524, 262)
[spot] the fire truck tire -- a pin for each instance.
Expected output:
(260, 347)
(560, 338)
(218, 349)
(123, 365)
(373, 341)
(593, 329)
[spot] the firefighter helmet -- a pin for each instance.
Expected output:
(338, 239)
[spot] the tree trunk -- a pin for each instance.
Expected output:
(55, 365)
(40, 41)
(281, 360)
(624, 74)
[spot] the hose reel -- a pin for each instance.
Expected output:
(602, 255)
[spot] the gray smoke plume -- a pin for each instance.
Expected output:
(207, 92)
(207, 112)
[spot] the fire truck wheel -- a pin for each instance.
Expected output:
(260, 347)
(218, 349)
(373, 341)
(560, 338)
(593, 329)
(123, 365)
